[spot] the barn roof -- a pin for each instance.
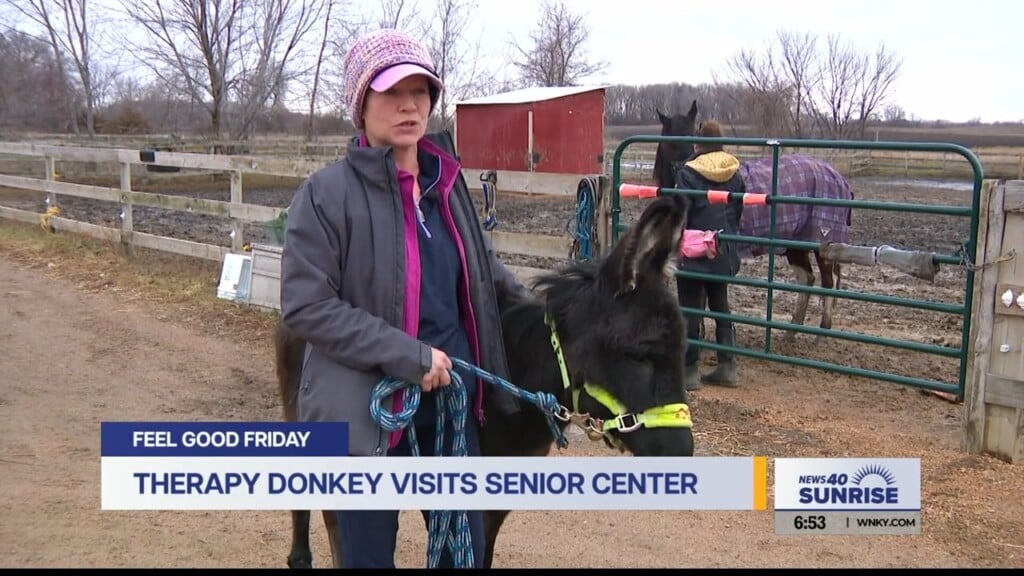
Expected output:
(532, 94)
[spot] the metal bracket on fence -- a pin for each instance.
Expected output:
(966, 263)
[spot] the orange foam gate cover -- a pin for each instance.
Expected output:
(754, 199)
(718, 196)
(637, 191)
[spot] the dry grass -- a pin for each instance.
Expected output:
(184, 289)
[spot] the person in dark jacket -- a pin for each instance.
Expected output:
(385, 272)
(710, 168)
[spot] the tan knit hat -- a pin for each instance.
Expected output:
(379, 60)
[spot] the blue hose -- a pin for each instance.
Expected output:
(585, 234)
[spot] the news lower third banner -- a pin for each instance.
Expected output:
(304, 466)
(847, 496)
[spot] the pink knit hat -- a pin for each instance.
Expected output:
(379, 60)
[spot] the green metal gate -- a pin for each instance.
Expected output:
(967, 258)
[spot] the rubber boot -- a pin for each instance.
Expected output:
(691, 378)
(725, 373)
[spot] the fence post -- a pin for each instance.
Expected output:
(51, 173)
(604, 215)
(236, 225)
(994, 398)
(126, 208)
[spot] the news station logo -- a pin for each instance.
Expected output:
(848, 495)
(871, 484)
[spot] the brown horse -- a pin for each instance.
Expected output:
(620, 329)
(798, 176)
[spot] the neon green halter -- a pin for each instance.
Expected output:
(668, 416)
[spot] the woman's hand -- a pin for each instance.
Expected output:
(438, 375)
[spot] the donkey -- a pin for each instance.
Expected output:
(799, 176)
(621, 340)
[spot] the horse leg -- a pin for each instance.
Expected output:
(301, 556)
(493, 519)
(801, 263)
(333, 536)
(830, 273)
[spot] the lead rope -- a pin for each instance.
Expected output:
(452, 401)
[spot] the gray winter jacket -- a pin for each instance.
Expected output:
(349, 287)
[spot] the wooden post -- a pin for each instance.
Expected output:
(603, 214)
(994, 398)
(51, 175)
(126, 208)
(236, 225)
(529, 141)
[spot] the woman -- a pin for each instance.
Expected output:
(386, 273)
(710, 168)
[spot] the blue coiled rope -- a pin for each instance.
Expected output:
(451, 402)
(490, 215)
(585, 233)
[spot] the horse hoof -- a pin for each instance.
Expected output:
(300, 563)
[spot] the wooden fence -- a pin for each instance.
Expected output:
(236, 209)
(994, 401)
(637, 160)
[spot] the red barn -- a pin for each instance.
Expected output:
(563, 127)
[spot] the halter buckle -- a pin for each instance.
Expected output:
(563, 414)
(622, 419)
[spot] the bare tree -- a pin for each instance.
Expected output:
(191, 42)
(836, 93)
(839, 90)
(271, 36)
(880, 72)
(456, 56)
(398, 14)
(316, 73)
(557, 53)
(34, 92)
(766, 95)
(797, 64)
(221, 52)
(67, 25)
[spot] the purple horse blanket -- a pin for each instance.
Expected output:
(799, 176)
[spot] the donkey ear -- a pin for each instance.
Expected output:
(645, 251)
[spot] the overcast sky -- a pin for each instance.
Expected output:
(961, 60)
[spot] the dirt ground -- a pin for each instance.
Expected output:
(88, 335)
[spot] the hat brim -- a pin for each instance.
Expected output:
(395, 74)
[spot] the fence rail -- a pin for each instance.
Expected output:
(49, 157)
(637, 162)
